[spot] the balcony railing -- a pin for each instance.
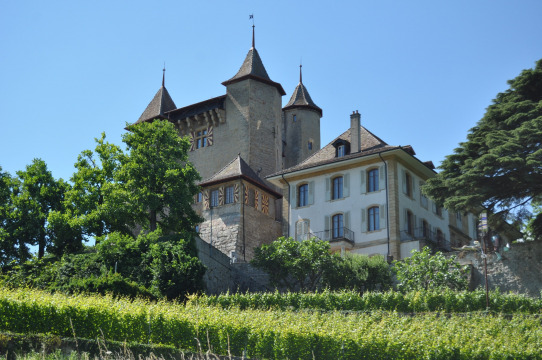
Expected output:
(340, 234)
(432, 238)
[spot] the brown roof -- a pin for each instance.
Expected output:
(370, 144)
(253, 68)
(197, 108)
(159, 105)
(236, 169)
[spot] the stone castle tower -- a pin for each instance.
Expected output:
(236, 140)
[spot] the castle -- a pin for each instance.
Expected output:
(265, 174)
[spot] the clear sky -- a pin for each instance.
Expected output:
(421, 73)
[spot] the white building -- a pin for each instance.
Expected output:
(363, 196)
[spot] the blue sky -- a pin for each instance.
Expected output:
(421, 73)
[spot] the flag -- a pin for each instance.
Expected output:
(251, 16)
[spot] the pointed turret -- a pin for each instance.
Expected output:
(253, 68)
(301, 98)
(159, 105)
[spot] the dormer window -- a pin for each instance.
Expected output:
(341, 151)
(342, 148)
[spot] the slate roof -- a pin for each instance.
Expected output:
(301, 99)
(198, 108)
(370, 144)
(236, 169)
(159, 105)
(253, 68)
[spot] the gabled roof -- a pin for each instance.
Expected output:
(238, 169)
(159, 105)
(301, 98)
(253, 68)
(370, 144)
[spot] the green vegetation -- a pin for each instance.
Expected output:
(499, 167)
(308, 265)
(111, 196)
(275, 334)
(447, 301)
(424, 271)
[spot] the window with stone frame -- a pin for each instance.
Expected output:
(374, 218)
(337, 226)
(303, 195)
(373, 180)
(409, 222)
(201, 138)
(337, 188)
(214, 198)
(229, 195)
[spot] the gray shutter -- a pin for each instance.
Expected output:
(346, 187)
(363, 220)
(293, 196)
(328, 189)
(382, 174)
(298, 230)
(347, 220)
(383, 214)
(363, 182)
(404, 181)
(413, 188)
(311, 192)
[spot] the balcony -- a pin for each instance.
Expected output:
(336, 235)
(433, 239)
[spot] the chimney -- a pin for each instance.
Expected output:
(355, 136)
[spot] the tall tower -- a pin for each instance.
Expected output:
(253, 108)
(301, 125)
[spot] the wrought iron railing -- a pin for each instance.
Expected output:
(432, 238)
(338, 234)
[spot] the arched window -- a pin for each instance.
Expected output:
(337, 188)
(372, 181)
(303, 195)
(337, 226)
(425, 229)
(374, 218)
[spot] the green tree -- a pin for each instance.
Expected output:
(358, 272)
(35, 193)
(158, 181)
(296, 265)
(499, 167)
(8, 251)
(423, 271)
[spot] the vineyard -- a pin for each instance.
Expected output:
(275, 333)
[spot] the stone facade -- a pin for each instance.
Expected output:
(518, 270)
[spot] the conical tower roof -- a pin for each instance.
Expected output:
(252, 68)
(301, 98)
(159, 105)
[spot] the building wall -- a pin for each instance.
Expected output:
(298, 133)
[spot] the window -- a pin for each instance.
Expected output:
(214, 198)
(372, 183)
(201, 139)
(437, 210)
(409, 223)
(294, 118)
(337, 188)
(425, 229)
(341, 151)
(197, 228)
(440, 236)
(303, 195)
(374, 219)
(199, 197)
(458, 219)
(302, 230)
(408, 185)
(423, 198)
(337, 226)
(229, 195)
(309, 145)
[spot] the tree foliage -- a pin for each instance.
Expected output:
(423, 271)
(158, 182)
(499, 167)
(309, 265)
